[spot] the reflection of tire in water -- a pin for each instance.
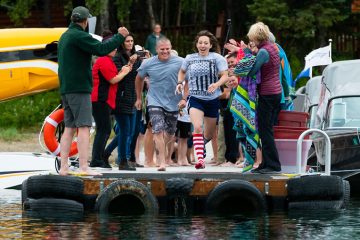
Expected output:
(127, 197)
(236, 197)
(54, 208)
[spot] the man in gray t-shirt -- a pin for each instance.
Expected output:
(162, 101)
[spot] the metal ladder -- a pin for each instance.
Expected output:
(327, 151)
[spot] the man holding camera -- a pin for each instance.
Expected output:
(75, 49)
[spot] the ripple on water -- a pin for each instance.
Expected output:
(343, 224)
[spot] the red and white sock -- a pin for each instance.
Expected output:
(198, 142)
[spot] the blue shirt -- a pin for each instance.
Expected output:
(162, 81)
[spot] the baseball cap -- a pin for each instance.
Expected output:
(80, 13)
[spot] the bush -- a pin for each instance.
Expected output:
(29, 111)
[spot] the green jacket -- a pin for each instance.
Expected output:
(150, 43)
(75, 50)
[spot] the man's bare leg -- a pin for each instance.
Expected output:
(182, 151)
(169, 143)
(83, 144)
(65, 144)
(149, 148)
(160, 150)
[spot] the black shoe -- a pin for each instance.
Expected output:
(96, 163)
(135, 164)
(256, 170)
(269, 171)
(126, 166)
(106, 165)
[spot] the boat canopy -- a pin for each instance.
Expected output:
(340, 79)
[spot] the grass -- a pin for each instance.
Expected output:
(10, 134)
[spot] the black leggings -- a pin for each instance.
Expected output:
(101, 113)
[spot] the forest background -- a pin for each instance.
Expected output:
(299, 27)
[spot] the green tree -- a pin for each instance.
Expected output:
(300, 26)
(18, 10)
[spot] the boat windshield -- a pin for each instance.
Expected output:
(312, 113)
(344, 112)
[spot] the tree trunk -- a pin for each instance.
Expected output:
(166, 17)
(151, 12)
(178, 21)
(203, 12)
(47, 14)
(103, 19)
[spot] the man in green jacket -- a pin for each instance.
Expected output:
(75, 50)
(150, 43)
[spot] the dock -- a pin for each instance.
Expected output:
(183, 190)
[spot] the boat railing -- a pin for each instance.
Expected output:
(327, 150)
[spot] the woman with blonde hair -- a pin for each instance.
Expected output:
(269, 95)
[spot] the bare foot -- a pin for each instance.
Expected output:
(240, 165)
(162, 168)
(150, 165)
(64, 172)
(89, 172)
(184, 163)
(227, 164)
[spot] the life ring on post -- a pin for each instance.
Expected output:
(51, 123)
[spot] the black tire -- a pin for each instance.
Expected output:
(312, 188)
(127, 197)
(316, 205)
(24, 191)
(55, 205)
(55, 186)
(236, 197)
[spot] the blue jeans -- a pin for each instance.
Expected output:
(126, 126)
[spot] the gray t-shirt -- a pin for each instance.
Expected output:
(162, 81)
(202, 72)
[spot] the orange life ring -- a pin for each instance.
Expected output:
(51, 122)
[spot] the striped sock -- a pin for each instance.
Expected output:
(198, 141)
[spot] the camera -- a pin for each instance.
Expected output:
(141, 54)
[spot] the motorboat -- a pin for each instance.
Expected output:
(338, 114)
(15, 167)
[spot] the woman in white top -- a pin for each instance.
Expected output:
(207, 71)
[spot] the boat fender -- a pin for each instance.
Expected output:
(236, 196)
(178, 187)
(107, 200)
(315, 187)
(55, 186)
(50, 125)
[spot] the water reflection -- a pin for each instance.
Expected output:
(343, 224)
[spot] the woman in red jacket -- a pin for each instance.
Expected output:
(105, 79)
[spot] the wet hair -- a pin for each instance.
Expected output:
(259, 32)
(213, 41)
(233, 54)
(162, 40)
(122, 50)
(106, 34)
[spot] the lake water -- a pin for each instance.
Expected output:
(342, 224)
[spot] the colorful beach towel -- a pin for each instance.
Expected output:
(243, 107)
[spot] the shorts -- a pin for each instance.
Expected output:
(183, 129)
(209, 107)
(77, 110)
(162, 120)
